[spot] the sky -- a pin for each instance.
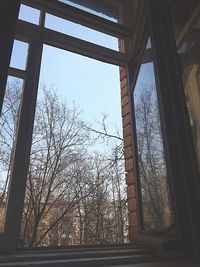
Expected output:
(93, 85)
(146, 78)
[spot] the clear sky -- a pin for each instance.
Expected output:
(93, 85)
(146, 78)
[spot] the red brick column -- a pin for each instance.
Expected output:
(128, 135)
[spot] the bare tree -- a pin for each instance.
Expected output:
(8, 126)
(74, 195)
(58, 141)
(116, 188)
(151, 161)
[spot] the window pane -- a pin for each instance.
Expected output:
(149, 43)
(81, 32)
(103, 10)
(8, 128)
(19, 55)
(29, 14)
(152, 166)
(82, 170)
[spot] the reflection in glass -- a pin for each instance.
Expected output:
(19, 55)
(153, 175)
(149, 43)
(8, 129)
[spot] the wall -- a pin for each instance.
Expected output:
(191, 79)
(130, 164)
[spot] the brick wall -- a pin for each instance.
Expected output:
(130, 169)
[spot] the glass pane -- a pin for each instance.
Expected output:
(153, 175)
(148, 43)
(29, 14)
(8, 127)
(19, 55)
(81, 32)
(103, 10)
(76, 176)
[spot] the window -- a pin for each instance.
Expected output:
(152, 167)
(19, 55)
(83, 163)
(73, 157)
(81, 32)
(29, 14)
(98, 9)
(8, 131)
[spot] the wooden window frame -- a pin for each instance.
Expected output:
(37, 36)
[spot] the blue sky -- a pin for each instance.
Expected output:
(93, 85)
(146, 78)
(79, 31)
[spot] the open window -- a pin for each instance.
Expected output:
(153, 182)
(71, 154)
(52, 178)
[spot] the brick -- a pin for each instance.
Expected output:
(133, 232)
(131, 191)
(128, 152)
(124, 91)
(127, 130)
(127, 141)
(124, 82)
(130, 178)
(125, 100)
(125, 109)
(123, 74)
(132, 204)
(129, 164)
(121, 69)
(132, 218)
(126, 119)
